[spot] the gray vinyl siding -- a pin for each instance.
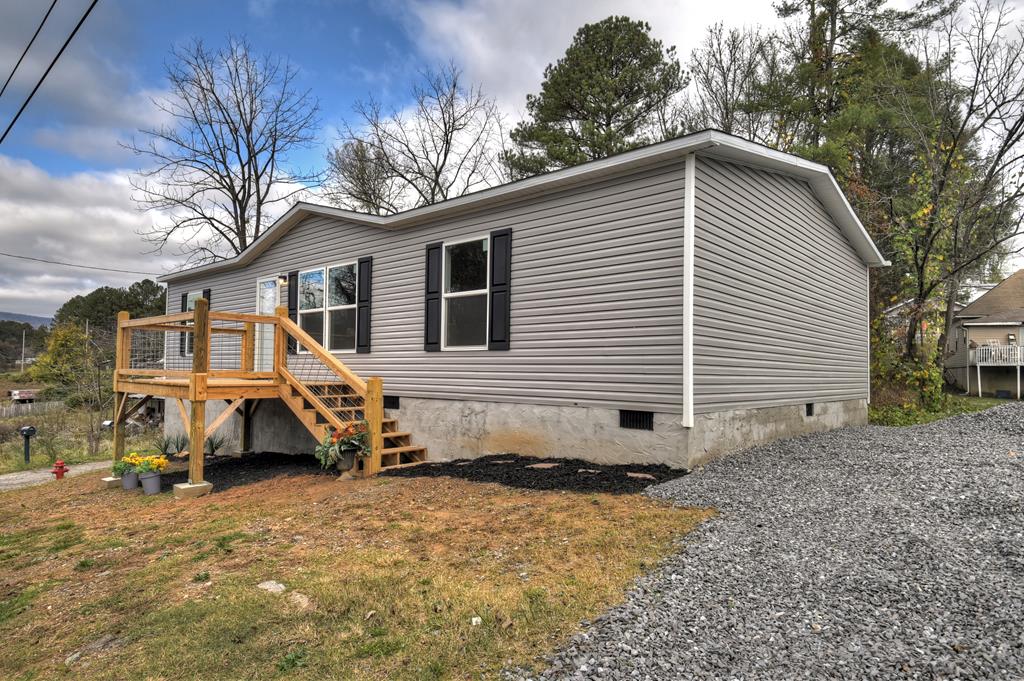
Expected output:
(596, 312)
(780, 296)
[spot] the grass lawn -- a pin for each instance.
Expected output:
(395, 571)
(897, 415)
(60, 435)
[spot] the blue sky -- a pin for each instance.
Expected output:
(64, 176)
(345, 51)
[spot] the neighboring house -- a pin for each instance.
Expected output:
(983, 351)
(667, 304)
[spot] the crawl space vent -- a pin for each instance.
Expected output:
(391, 402)
(636, 420)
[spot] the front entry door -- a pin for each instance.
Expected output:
(268, 298)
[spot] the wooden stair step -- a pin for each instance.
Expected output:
(397, 433)
(403, 449)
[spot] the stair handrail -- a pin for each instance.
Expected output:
(309, 343)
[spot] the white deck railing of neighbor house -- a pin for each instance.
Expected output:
(998, 355)
(995, 356)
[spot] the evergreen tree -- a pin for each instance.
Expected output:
(612, 91)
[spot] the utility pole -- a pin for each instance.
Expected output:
(23, 351)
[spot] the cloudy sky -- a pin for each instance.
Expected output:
(64, 192)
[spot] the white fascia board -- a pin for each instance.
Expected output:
(1009, 323)
(722, 144)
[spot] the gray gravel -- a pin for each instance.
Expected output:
(861, 553)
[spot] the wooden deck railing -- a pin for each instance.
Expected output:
(197, 350)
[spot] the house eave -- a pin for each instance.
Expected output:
(714, 142)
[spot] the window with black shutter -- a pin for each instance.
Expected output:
(468, 293)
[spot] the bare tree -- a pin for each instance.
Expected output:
(360, 179)
(445, 145)
(220, 166)
(732, 71)
(968, 124)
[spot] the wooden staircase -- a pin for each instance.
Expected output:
(325, 395)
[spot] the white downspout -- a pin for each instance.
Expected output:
(688, 246)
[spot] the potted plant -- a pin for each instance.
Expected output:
(341, 447)
(125, 469)
(149, 469)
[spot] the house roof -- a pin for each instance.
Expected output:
(1010, 317)
(1007, 296)
(711, 142)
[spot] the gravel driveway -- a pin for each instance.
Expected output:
(862, 553)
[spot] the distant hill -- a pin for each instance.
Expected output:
(26, 318)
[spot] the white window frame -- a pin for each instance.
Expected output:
(298, 305)
(190, 339)
(461, 294)
(354, 264)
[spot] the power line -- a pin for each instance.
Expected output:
(72, 264)
(27, 48)
(48, 69)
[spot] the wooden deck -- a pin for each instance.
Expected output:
(219, 363)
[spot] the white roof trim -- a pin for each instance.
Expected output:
(1007, 323)
(722, 145)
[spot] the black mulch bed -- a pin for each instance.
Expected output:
(226, 472)
(573, 475)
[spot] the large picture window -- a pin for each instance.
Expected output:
(341, 307)
(465, 294)
(327, 306)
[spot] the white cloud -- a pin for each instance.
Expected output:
(505, 45)
(86, 218)
(93, 99)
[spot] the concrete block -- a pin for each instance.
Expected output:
(187, 490)
(111, 482)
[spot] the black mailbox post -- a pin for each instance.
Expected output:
(27, 432)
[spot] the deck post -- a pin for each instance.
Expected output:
(249, 347)
(373, 412)
(197, 385)
(979, 379)
(122, 353)
(280, 342)
(122, 359)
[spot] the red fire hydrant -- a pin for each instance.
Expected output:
(59, 469)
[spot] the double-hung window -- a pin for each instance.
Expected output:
(327, 306)
(341, 307)
(465, 274)
(311, 303)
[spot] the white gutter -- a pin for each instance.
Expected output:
(689, 203)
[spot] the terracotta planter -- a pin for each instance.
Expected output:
(150, 483)
(129, 480)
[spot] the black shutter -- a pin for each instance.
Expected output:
(432, 306)
(293, 305)
(364, 291)
(183, 336)
(209, 303)
(501, 286)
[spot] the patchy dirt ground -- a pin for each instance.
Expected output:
(527, 472)
(419, 577)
